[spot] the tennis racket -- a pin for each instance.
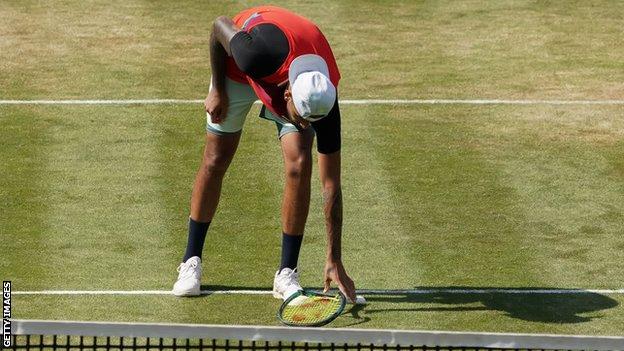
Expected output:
(310, 309)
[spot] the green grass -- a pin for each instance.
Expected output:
(452, 200)
(96, 197)
(385, 49)
(588, 314)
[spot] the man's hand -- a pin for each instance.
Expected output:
(216, 105)
(334, 271)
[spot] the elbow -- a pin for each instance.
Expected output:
(222, 31)
(218, 21)
(217, 27)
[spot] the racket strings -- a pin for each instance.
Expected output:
(311, 310)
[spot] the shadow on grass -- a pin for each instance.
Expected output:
(534, 306)
(354, 313)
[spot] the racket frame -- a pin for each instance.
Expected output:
(310, 293)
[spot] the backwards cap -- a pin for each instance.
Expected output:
(313, 93)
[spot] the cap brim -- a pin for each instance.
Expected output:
(307, 63)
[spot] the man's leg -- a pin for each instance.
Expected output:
(221, 143)
(218, 155)
(297, 153)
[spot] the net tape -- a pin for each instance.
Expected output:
(67, 335)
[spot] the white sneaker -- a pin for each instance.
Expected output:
(286, 283)
(188, 283)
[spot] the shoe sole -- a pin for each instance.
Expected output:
(277, 295)
(187, 292)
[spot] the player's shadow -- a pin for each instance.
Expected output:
(548, 306)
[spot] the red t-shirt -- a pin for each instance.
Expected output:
(303, 38)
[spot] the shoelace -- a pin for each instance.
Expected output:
(185, 268)
(289, 278)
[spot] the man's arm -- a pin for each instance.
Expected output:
(222, 32)
(329, 169)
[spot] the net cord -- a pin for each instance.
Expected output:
(317, 335)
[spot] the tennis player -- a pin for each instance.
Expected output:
(283, 59)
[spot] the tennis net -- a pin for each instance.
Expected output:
(62, 335)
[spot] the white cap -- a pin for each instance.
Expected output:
(313, 93)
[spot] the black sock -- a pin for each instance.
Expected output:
(196, 236)
(290, 250)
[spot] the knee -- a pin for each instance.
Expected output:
(299, 168)
(215, 164)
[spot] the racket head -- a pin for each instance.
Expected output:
(311, 309)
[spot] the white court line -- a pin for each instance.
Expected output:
(359, 291)
(344, 102)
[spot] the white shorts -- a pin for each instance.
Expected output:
(241, 98)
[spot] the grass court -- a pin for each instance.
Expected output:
(436, 196)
